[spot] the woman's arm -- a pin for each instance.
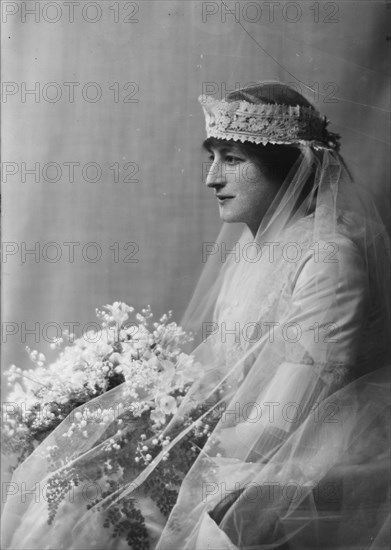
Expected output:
(322, 328)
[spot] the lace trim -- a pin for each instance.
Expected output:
(333, 373)
(266, 123)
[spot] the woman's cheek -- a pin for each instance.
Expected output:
(250, 173)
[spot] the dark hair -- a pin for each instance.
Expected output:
(270, 92)
(275, 161)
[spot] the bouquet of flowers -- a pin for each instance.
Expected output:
(146, 362)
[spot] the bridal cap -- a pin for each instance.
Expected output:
(267, 112)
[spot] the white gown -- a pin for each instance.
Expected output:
(336, 360)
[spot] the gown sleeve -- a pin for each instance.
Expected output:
(322, 416)
(329, 304)
(316, 341)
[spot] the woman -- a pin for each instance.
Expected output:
(293, 320)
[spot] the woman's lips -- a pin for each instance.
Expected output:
(223, 198)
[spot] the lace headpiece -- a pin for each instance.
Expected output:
(265, 122)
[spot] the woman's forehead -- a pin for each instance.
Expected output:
(224, 147)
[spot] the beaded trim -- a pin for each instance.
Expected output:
(266, 123)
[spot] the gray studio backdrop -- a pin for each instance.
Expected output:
(102, 132)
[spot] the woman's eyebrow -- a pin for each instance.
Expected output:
(223, 149)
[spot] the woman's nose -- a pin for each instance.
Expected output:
(216, 175)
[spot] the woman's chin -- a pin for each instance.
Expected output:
(230, 217)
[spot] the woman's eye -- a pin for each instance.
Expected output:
(211, 157)
(230, 159)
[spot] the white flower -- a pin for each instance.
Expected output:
(19, 395)
(119, 312)
(167, 404)
(158, 417)
(115, 358)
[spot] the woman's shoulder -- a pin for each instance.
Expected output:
(328, 254)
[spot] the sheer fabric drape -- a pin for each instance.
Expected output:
(293, 345)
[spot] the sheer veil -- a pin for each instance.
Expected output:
(300, 454)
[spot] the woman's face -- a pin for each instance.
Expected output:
(243, 192)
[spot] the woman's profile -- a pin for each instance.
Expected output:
(292, 320)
